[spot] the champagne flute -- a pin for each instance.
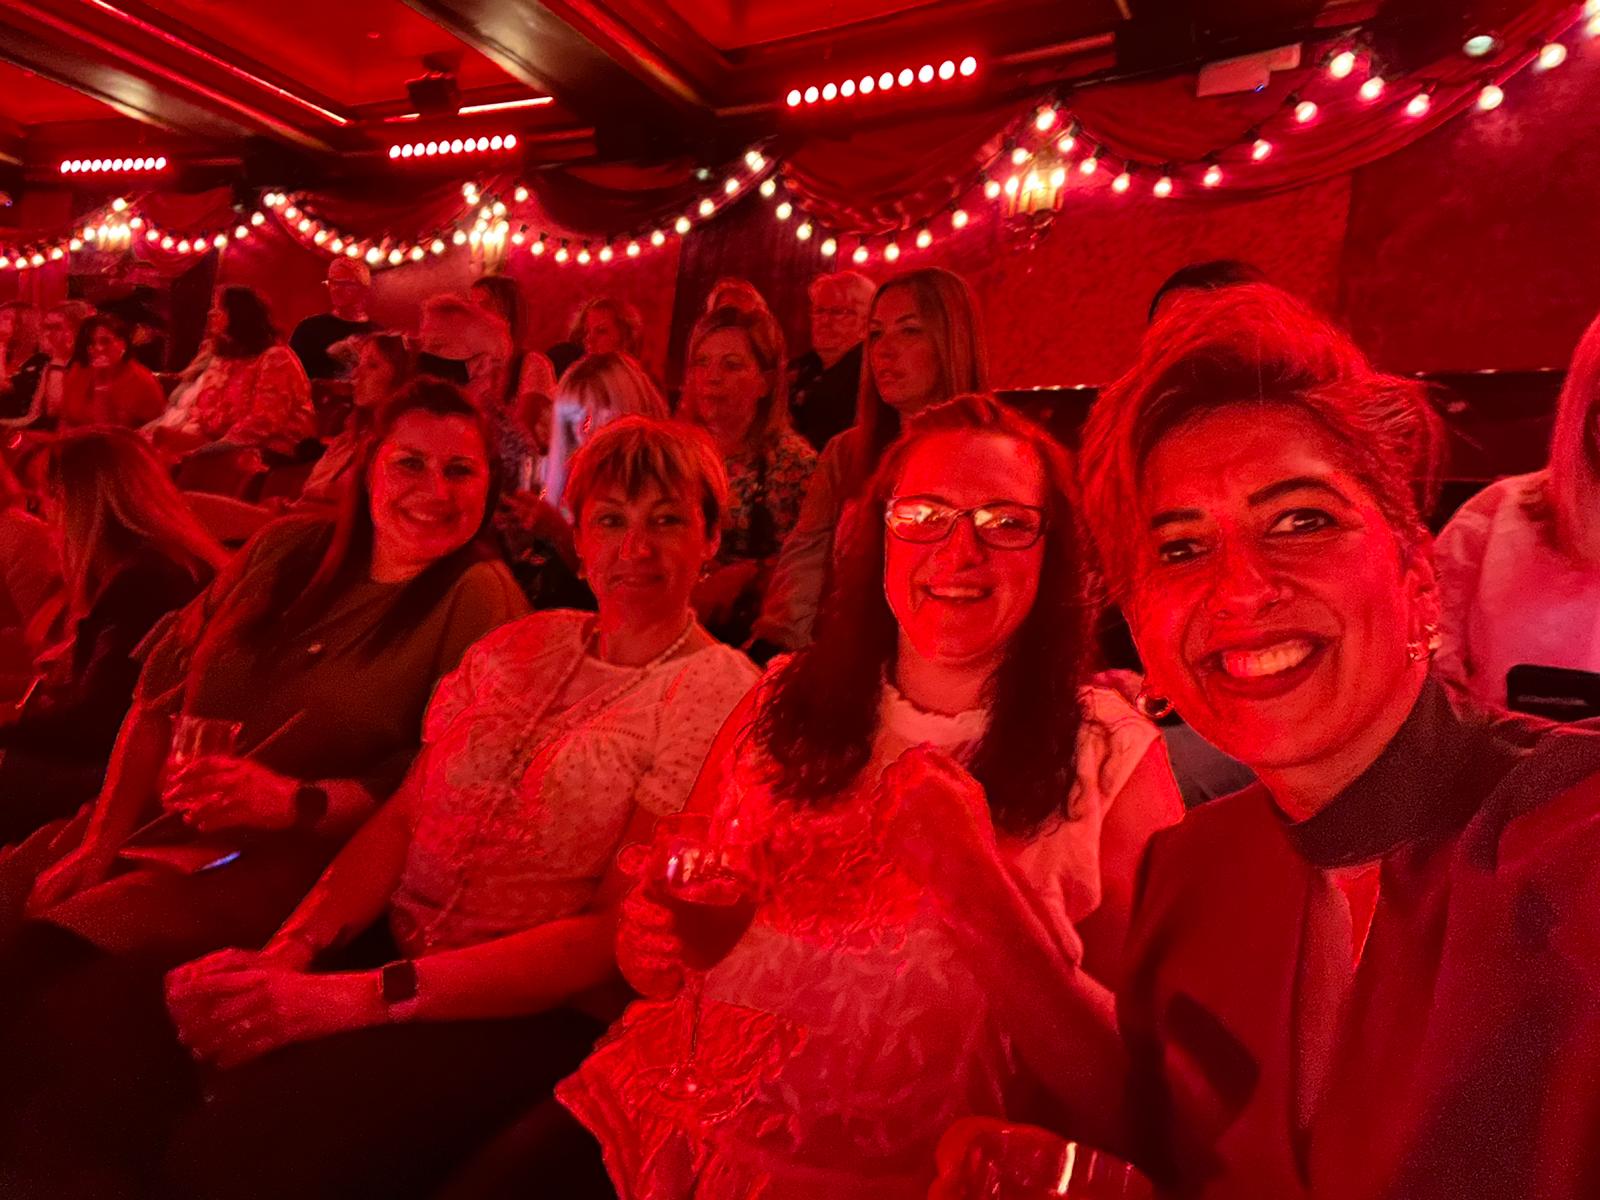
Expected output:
(708, 875)
(1020, 1162)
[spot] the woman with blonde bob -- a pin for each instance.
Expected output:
(924, 345)
(1519, 563)
(595, 391)
(1374, 973)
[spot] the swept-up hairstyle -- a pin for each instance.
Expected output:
(820, 711)
(1256, 344)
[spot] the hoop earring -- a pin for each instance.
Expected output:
(1152, 708)
(1427, 645)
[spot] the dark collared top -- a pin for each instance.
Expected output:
(822, 400)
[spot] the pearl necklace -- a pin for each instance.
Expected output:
(591, 644)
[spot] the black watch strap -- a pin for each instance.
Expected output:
(310, 805)
(398, 981)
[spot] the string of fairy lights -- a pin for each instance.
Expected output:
(1042, 153)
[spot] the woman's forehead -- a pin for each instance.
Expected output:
(973, 466)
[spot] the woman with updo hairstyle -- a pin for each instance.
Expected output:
(935, 745)
(923, 346)
(1375, 972)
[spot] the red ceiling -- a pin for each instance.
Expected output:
(741, 24)
(354, 52)
(28, 99)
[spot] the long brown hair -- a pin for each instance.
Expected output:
(950, 315)
(819, 713)
(335, 555)
(117, 503)
(765, 339)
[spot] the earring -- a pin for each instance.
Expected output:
(1152, 708)
(1427, 645)
(580, 573)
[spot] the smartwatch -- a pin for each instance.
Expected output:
(310, 805)
(397, 982)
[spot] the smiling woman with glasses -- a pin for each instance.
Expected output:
(934, 748)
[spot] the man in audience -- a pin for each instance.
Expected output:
(58, 333)
(1206, 276)
(823, 382)
(349, 284)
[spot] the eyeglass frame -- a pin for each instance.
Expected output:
(958, 514)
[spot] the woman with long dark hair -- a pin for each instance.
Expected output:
(924, 345)
(254, 392)
(841, 1035)
(132, 553)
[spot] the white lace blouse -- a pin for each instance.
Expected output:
(537, 755)
(844, 1032)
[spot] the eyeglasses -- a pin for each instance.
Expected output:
(1000, 525)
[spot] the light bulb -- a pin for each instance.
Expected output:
(891, 252)
(1163, 186)
(1261, 149)
(682, 225)
(860, 255)
(769, 188)
(959, 219)
(1045, 120)
(1341, 64)
(1122, 183)
(1491, 97)
(829, 248)
(1305, 112)
(706, 207)
(1552, 54)
(1419, 104)
(784, 211)
(803, 232)
(1213, 176)
(1372, 89)
(924, 239)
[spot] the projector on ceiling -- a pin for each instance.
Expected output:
(436, 93)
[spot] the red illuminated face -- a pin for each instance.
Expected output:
(1273, 601)
(602, 332)
(106, 349)
(901, 353)
(642, 555)
(959, 601)
(726, 385)
(426, 490)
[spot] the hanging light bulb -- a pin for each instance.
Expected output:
(1305, 112)
(1091, 164)
(1419, 104)
(418, 254)
(803, 232)
(562, 254)
(829, 247)
(1162, 187)
(1213, 176)
(1372, 89)
(657, 238)
(891, 252)
(1065, 143)
(633, 250)
(859, 256)
(991, 189)
(784, 211)
(337, 246)
(959, 219)
(754, 159)
(606, 253)
(437, 246)
(769, 188)
(1020, 155)
(1491, 97)
(583, 257)
(1260, 149)
(1552, 55)
(924, 239)
(1341, 64)
(1122, 182)
(706, 207)
(1045, 120)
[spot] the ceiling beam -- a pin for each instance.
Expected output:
(136, 80)
(536, 43)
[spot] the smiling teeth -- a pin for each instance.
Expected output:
(1274, 660)
(957, 593)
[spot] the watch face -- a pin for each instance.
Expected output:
(399, 981)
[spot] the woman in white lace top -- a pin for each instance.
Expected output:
(846, 1031)
(559, 739)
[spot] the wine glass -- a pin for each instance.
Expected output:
(1020, 1162)
(195, 738)
(707, 873)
